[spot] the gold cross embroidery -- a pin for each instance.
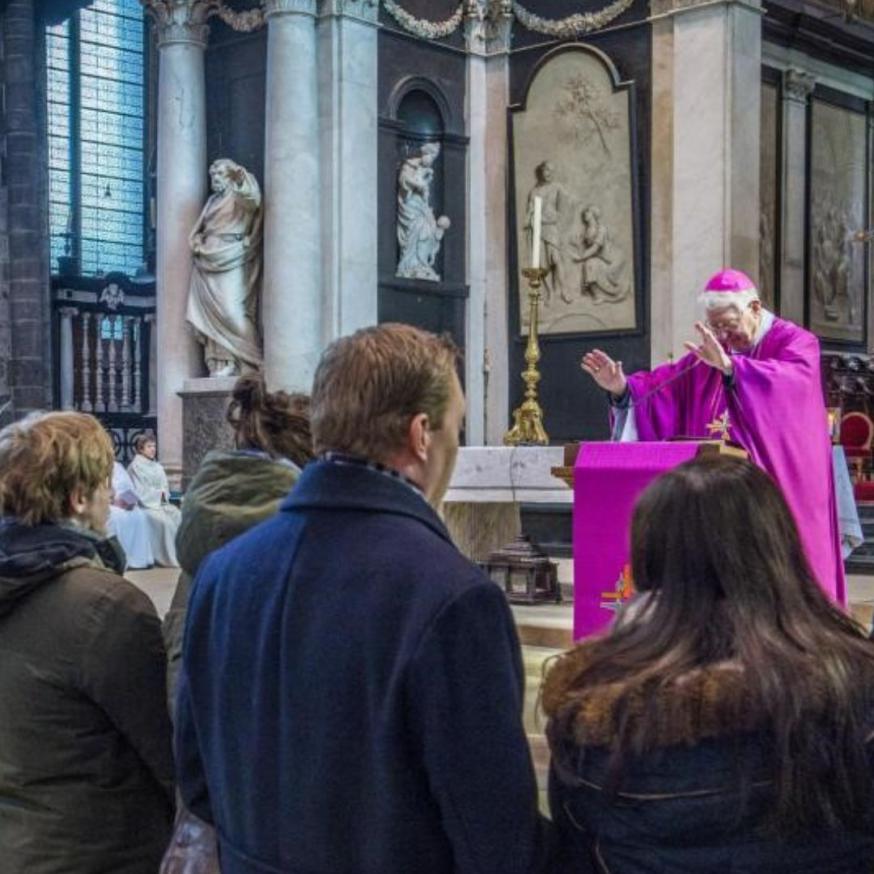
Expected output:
(720, 427)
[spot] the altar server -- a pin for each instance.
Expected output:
(153, 490)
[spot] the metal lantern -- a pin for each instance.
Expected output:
(523, 570)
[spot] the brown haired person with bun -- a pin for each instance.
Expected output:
(86, 776)
(238, 488)
(233, 491)
(727, 723)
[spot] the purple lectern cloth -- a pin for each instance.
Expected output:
(608, 477)
(777, 414)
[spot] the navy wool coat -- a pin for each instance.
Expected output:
(350, 701)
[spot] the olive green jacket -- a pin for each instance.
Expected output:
(232, 492)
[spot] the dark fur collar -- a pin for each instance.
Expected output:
(703, 704)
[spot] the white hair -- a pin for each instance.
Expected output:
(720, 300)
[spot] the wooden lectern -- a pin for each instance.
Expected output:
(607, 480)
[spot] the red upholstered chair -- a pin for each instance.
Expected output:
(864, 491)
(857, 433)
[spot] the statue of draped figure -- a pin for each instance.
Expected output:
(226, 275)
(419, 231)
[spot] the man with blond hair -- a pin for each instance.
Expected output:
(351, 693)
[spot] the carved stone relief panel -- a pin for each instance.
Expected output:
(572, 148)
(837, 209)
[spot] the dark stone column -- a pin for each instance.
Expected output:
(25, 345)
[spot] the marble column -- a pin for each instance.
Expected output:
(181, 179)
(292, 296)
(68, 364)
(797, 87)
(347, 51)
(705, 154)
(488, 29)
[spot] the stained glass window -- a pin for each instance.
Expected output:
(96, 109)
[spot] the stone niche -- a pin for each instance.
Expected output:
(204, 428)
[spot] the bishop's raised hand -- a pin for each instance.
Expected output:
(606, 372)
(710, 350)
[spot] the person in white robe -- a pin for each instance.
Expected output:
(153, 490)
(128, 522)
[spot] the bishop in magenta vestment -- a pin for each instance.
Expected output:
(776, 411)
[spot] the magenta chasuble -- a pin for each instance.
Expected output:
(776, 412)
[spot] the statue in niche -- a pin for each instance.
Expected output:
(831, 262)
(226, 275)
(420, 233)
(604, 277)
(556, 204)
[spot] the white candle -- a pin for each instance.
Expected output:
(538, 221)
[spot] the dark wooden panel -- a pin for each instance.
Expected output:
(575, 409)
(236, 70)
(820, 32)
(550, 526)
(433, 312)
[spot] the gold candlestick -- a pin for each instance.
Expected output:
(528, 417)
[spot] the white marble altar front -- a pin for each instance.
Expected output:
(482, 504)
(508, 474)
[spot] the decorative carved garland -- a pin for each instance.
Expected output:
(573, 25)
(421, 28)
(563, 28)
(242, 22)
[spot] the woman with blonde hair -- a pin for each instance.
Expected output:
(86, 777)
(727, 724)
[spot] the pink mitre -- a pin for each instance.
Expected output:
(728, 288)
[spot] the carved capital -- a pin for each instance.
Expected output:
(363, 10)
(68, 312)
(488, 26)
(181, 21)
(797, 85)
(275, 8)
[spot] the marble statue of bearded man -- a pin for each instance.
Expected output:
(226, 274)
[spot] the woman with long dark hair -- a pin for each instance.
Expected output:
(726, 724)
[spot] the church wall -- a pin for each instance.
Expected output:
(812, 86)
(575, 409)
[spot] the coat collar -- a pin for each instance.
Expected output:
(703, 704)
(327, 486)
